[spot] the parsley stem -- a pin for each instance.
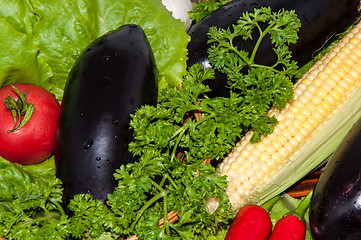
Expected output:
(181, 132)
(272, 68)
(205, 118)
(165, 213)
(157, 185)
(205, 205)
(15, 220)
(245, 59)
(60, 209)
(172, 181)
(259, 40)
(41, 219)
(146, 206)
(163, 180)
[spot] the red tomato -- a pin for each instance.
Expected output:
(34, 142)
(252, 222)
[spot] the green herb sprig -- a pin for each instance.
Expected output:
(172, 143)
(260, 86)
(178, 144)
(30, 205)
(203, 8)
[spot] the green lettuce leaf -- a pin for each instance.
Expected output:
(19, 58)
(44, 38)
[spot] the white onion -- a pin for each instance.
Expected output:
(179, 10)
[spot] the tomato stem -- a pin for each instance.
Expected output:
(20, 109)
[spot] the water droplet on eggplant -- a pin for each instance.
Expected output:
(98, 158)
(115, 122)
(106, 58)
(108, 161)
(81, 114)
(88, 144)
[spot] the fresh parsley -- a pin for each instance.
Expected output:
(260, 86)
(30, 205)
(178, 144)
(203, 8)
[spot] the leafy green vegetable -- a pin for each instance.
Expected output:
(42, 39)
(172, 143)
(261, 86)
(178, 143)
(19, 58)
(181, 186)
(30, 205)
(203, 8)
(90, 219)
(282, 27)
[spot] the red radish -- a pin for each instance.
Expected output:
(292, 226)
(252, 222)
(289, 227)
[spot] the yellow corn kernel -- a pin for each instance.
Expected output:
(318, 95)
(316, 99)
(327, 105)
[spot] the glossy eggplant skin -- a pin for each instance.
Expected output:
(335, 208)
(320, 20)
(111, 78)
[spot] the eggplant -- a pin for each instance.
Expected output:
(111, 78)
(335, 208)
(320, 20)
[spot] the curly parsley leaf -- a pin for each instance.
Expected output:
(187, 128)
(140, 201)
(211, 137)
(30, 204)
(90, 218)
(261, 86)
(203, 8)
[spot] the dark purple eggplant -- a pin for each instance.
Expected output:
(335, 208)
(112, 77)
(320, 20)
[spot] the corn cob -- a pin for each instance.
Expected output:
(327, 101)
